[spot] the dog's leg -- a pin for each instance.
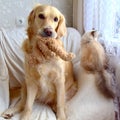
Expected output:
(11, 111)
(18, 107)
(61, 100)
(31, 94)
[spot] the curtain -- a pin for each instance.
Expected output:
(104, 16)
(101, 15)
(78, 15)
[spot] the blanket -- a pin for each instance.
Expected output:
(12, 72)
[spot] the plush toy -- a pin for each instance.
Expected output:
(42, 49)
(51, 46)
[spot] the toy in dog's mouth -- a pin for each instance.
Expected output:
(49, 45)
(44, 38)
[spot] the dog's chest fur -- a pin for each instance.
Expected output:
(46, 76)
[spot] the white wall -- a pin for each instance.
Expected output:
(78, 15)
(13, 11)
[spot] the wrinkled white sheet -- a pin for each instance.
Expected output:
(11, 67)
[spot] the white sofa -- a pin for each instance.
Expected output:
(12, 72)
(11, 67)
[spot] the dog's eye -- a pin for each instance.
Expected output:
(41, 16)
(55, 19)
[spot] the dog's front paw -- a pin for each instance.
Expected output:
(61, 117)
(25, 118)
(8, 113)
(26, 115)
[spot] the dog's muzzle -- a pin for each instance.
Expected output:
(47, 32)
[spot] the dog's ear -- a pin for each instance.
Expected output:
(31, 19)
(61, 28)
(31, 16)
(95, 34)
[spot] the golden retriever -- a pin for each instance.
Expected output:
(52, 82)
(93, 59)
(94, 99)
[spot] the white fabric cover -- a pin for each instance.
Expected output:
(11, 67)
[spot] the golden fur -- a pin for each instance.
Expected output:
(44, 49)
(54, 46)
(94, 99)
(51, 81)
(93, 59)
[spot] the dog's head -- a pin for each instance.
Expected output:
(93, 60)
(46, 21)
(90, 37)
(92, 53)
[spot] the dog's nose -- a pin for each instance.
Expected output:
(48, 32)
